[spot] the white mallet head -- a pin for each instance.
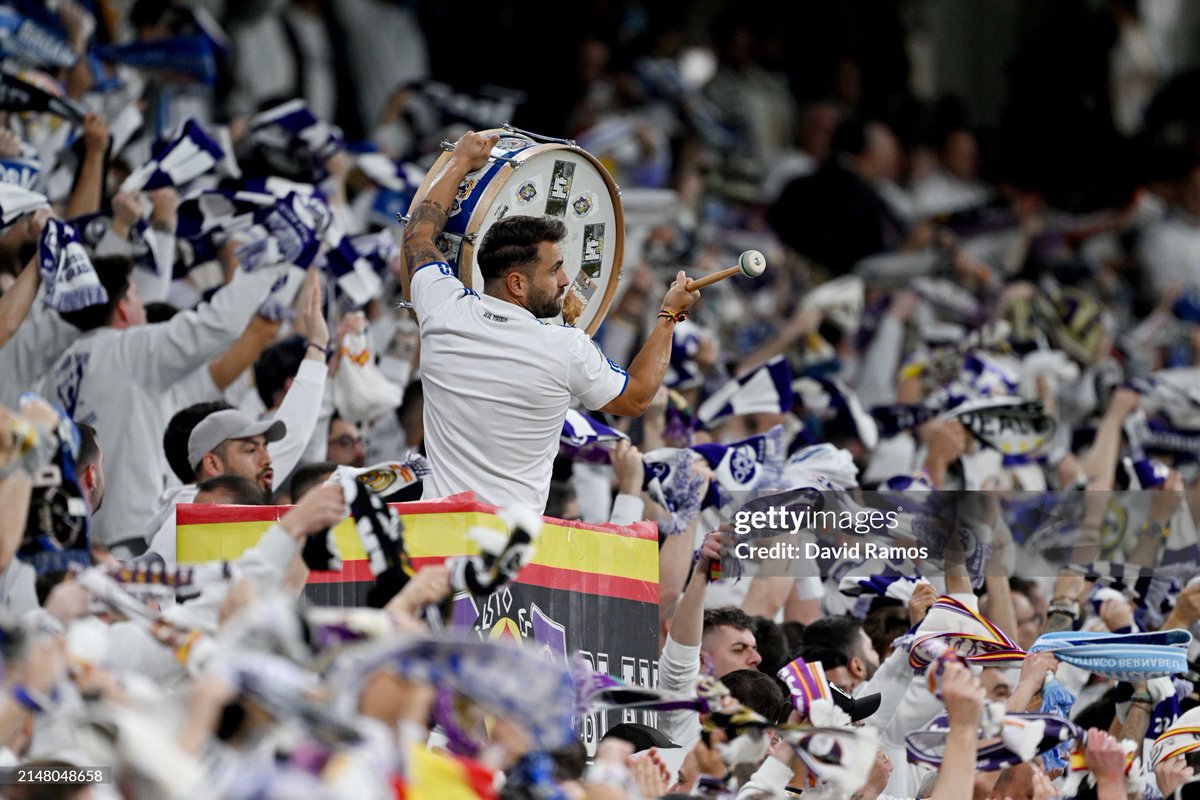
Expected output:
(752, 263)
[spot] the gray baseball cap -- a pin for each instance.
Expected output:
(221, 426)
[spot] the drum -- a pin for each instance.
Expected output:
(552, 178)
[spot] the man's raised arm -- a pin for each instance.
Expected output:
(650, 364)
(428, 219)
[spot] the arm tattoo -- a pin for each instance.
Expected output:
(425, 224)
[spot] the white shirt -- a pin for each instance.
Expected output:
(119, 382)
(32, 350)
(1169, 252)
(497, 385)
(299, 411)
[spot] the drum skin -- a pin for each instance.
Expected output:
(532, 179)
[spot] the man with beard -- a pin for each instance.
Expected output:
(231, 442)
(497, 380)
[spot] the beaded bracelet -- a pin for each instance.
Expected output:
(676, 317)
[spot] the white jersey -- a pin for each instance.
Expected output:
(497, 385)
(119, 382)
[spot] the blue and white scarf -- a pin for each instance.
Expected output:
(218, 211)
(889, 584)
(1129, 657)
(92, 229)
(27, 41)
(16, 202)
(767, 389)
(673, 484)
(193, 56)
(586, 439)
(70, 279)
(21, 171)
(357, 264)
(293, 142)
(827, 402)
(740, 467)
(190, 153)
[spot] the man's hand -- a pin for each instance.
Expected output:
(1187, 604)
(68, 601)
(710, 550)
(903, 305)
(1117, 614)
(1043, 787)
(627, 464)
(317, 511)
(473, 149)
(36, 222)
(1033, 675)
(946, 439)
(10, 144)
(165, 204)
(428, 219)
(964, 695)
(1165, 499)
(311, 317)
(649, 772)
(1105, 757)
(430, 585)
(922, 599)
(1171, 774)
(877, 779)
(127, 210)
(95, 134)
(1123, 402)
(678, 299)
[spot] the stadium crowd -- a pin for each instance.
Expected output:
(979, 348)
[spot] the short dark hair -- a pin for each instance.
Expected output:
(842, 633)
(884, 624)
(89, 446)
(771, 645)
(793, 634)
(817, 654)
(310, 475)
(114, 272)
(275, 366)
(160, 312)
(512, 243)
(759, 692)
(242, 491)
(727, 615)
(179, 430)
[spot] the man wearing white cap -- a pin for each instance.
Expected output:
(228, 442)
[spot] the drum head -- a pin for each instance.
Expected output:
(525, 178)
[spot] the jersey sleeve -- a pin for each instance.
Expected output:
(432, 285)
(591, 377)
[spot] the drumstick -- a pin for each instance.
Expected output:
(750, 263)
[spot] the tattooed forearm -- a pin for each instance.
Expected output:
(420, 254)
(425, 224)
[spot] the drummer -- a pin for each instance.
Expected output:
(497, 380)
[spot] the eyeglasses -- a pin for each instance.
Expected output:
(346, 440)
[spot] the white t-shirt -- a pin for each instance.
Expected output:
(120, 382)
(497, 385)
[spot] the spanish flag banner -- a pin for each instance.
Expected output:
(590, 589)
